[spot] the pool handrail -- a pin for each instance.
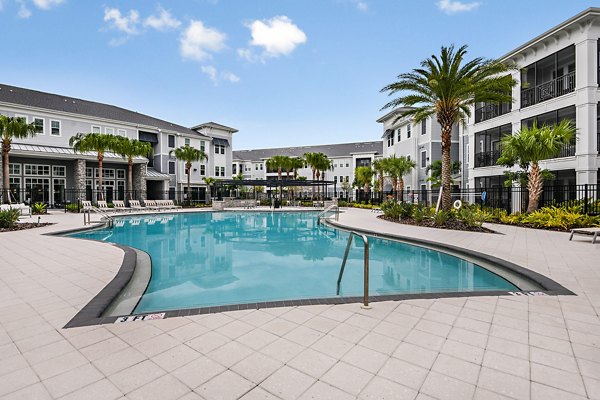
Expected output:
(365, 266)
(97, 210)
(328, 209)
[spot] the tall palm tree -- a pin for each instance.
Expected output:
(397, 167)
(297, 163)
(311, 160)
(131, 148)
(379, 167)
(531, 145)
(447, 87)
(363, 177)
(12, 128)
(188, 154)
(96, 142)
(325, 165)
(209, 182)
(277, 163)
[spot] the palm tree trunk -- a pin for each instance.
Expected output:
(401, 188)
(395, 187)
(130, 178)
(312, 196)
(534, 186)
(188, 166)
(100, 160)
(5, 176)
(446, 167)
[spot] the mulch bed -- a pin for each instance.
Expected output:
(451, 224)
(25, 225)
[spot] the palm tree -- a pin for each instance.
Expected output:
(531, 145)
(312, 159)
(379, 167)
(363, 176)
(277, 163)
(397, 167)
(447, 87)
(325, 164)
(296, 163)
(188, 154)
(131, 148)
(435, 177)
(97, 142)
(209, 182)
(12, 128)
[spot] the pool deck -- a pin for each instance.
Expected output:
(508, 347)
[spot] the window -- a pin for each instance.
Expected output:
(256, 167)
(424, 127)
(14, 169)
(222, 171)
(223, 151)
(89, 172)
(347, 179)
(109, 131)
(31, 169)
(96, 129)
(423, 159)
(234, 169)
(347, 164)
(202, 145)
(335, 179)
(261, 167)
(202, 169)
(399, 132)
(59, 170)
(217, 171)
(390, 139)
(121, 132)
(54, 128)
(172, 167)
(39, 125)
(171, 140)
(187, 141)
(120, 174)
(408, 131)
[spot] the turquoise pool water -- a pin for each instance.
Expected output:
(218, 258)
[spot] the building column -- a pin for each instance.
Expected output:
(139, 180)
(586, 168)
(79, 176)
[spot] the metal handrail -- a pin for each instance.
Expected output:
(97, 211)
(325, 211)
(365, 266)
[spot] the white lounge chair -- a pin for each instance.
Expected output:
(23, 208)
(103, 205)
(120, 206)
(86, 205)
(152, 205)
(135, 205)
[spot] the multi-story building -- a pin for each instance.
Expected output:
(345, 157)
(558, 78)
(420, 142)
(45, 168)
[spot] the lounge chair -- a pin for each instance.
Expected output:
(103, 205)
(86, 205)
(593, 232)
(152, 205)
(135, 205)
(23, 208)
(120, 206)
(168, 204)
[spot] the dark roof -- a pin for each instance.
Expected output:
(56, 102)
(215, 125)
(331, 150)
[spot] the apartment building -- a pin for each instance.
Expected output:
(45, 168)
(420, 142)
(345, 157)
(558, 78)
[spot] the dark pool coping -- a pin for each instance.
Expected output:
(92, 313)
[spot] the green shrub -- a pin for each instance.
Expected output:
(307, 204)
(470, 217)
(391, 209)
(421, 212)
(74, 208)
(38, 208)
(9, 217)
(441, 217)
(559, 218)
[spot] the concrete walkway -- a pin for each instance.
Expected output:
(468, 348)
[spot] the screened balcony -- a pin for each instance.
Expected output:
(548, 78)
(489, 144)
(485, 111)
(552, 118)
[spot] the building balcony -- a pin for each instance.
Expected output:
(489, 111)
(487, 158)
(548, 90)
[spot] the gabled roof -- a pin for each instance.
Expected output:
(216, 126)
(331, 150)
(392, 113)
(55, 102)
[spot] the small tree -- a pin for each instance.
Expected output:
(188, 154)
(363, 177)
(435, 177)
(98, 143)
(379, 167)
(209, 182)
(532, 145)
(12, 128)
(277, 163)
(131, 148)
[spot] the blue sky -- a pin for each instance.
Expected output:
(283, 72)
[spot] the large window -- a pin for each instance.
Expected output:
(485, 111)
(202, 145)
(408, 131)
(203, 170)
(551, 118)
(424, 159)
(488, 144)
(96, 129)
(548, 78)
(171, 141)
(399, 132)
(390, 138)
(172, 167)
(109, 131)
(33, 169)
(39, 125)
(424, 127)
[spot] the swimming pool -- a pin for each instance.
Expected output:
(219, 258)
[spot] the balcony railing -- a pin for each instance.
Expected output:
(487, 158)
(548, 90)
(489, 111)
(568, 150)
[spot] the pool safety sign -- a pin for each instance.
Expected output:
(135, 318)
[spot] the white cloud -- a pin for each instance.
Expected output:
(47, 4)
(197, 42)
(163, 22)
(23, 12)
(455, 6)
(216, 76)
(124, 23)
(1, 5)
(276, 36)
(362, 6)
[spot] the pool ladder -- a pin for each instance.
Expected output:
(328, 209)
(365, 266)
(109, 219)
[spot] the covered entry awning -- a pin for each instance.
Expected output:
(154, 175)
(36, 150)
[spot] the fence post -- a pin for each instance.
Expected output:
(585, 199)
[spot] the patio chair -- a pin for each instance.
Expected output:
(152, 205)
(120, 206)
(22, 207)
(593, 232)
(86, 205)
(103, 205)
(135, 205)
(170, 204)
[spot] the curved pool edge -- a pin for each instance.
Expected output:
(550, 287)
